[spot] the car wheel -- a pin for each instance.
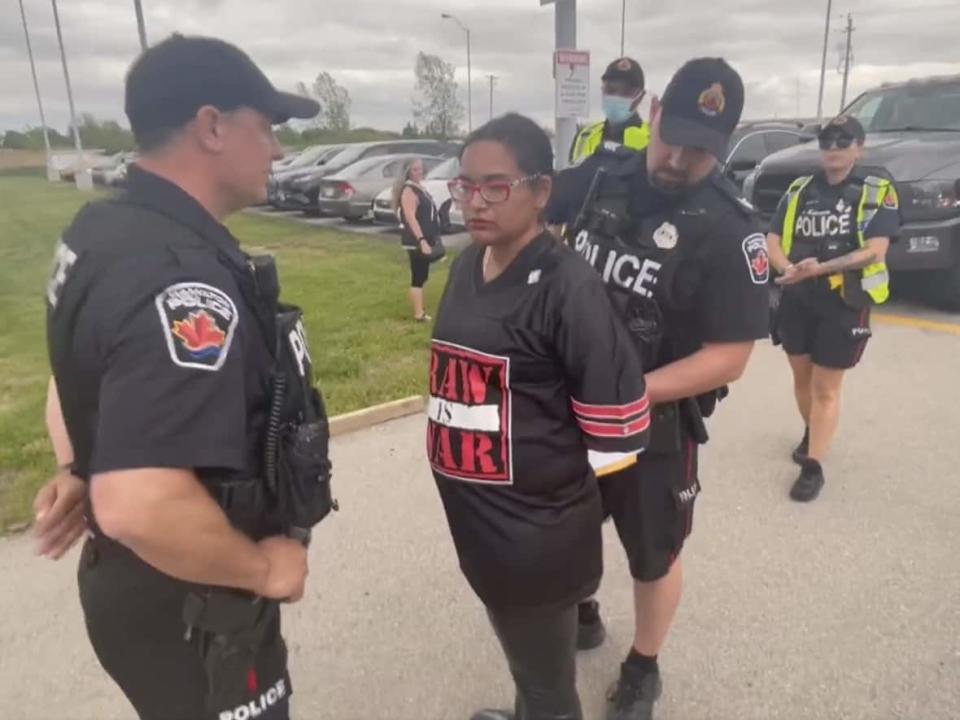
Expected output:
(946, 288)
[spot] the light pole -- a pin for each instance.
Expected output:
(448, 16)
(493, 80)
(141, 27)
(623, 28)
(36, 90)
(823, 63)
(82, 177)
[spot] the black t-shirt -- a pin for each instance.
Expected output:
(532, 379)
(426, 217)
(159, 361)
(826, 225)
(697, 257)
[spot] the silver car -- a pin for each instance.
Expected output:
(350, 192)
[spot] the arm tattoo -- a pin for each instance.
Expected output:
(856, 260)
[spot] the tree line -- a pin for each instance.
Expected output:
(436, 112)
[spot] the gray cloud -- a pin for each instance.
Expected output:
(370, 46)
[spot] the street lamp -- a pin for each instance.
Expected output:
(83, 178)
(36, 90)
(141, 27)
(448, 16)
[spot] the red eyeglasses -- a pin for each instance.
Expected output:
(493, 192)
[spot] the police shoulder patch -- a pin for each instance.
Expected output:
(198, 323)
(758, 261)
(891, 200)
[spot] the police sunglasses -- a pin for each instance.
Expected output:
(841, 142)
(493, 192)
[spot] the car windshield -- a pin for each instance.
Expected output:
(347, 156)
(363, 167)
(447, 170)
(308, 156)
(930, 106)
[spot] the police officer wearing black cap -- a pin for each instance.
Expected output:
(183, 390)
(623, 89)
(828, 240)
(687, 267)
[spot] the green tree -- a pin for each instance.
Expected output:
(436, 108)
(334, 102)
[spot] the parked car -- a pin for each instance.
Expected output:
(913, 138)
(115, 176)
(306, 163)
(92, 160)
(751, 142)
(435, 183)
(303, 192)
(349, 193)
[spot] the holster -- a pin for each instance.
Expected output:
(228, 630)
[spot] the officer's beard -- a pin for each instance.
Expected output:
(669, 183)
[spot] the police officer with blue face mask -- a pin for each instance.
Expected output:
(623, 89)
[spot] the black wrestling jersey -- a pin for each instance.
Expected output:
(532, 379)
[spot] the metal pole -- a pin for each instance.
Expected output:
(141, 27)
(493, 79)
(623, 28)
(566, 31)
(846, 61)
(823, 64)
(83, 179)
(469, 87)
(36, 90)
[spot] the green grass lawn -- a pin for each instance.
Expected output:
(365, 348)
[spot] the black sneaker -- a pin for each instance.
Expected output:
(590, 630)
(801, 450)
(492, 715)
(633, 695)
(810, 482)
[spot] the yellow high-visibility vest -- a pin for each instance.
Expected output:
(590, 138)
(875, 278)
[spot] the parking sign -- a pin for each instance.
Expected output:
(571, 68)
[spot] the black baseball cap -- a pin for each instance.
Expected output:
(173, 79)
(846, 125)
(702, 105)
(626, 69)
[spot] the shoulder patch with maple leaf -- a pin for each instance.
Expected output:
(198, 323)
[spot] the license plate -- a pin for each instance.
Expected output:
(329, 192)
(924, 244)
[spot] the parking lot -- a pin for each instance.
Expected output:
(846, 608)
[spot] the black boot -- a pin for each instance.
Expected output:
(590, 630)
(810, 482)
(801, 450)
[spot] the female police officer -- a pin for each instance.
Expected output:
(829, 239)
(532, 380)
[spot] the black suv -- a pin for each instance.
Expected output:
(913, 138)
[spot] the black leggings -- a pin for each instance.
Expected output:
(419, 268)
(541, 649)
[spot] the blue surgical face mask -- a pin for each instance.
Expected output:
(617, 109)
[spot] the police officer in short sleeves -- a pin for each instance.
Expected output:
(829, 240)
(163, 375)
(687, 268)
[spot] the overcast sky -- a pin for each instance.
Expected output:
(370, 45)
